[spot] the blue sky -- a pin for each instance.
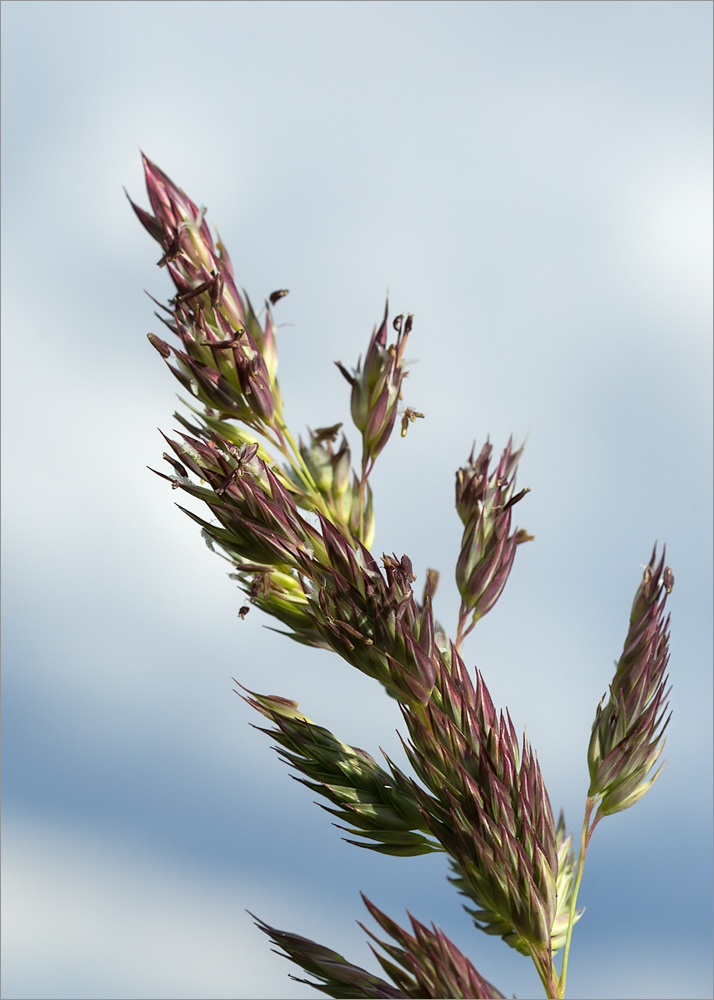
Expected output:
(533, 182)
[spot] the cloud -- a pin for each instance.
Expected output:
(88, 916)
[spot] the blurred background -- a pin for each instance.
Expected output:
(533, 181)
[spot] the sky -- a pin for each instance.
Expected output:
(532, 180)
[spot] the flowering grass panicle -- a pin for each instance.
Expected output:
(296, 523)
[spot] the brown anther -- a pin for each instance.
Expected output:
(172, 250)
(409, 417)
(193, 293)
(217, 291)
(516, 498)
(228, 481)
(325, 433)
(223, 345)
(178, 468)
(161, 346)
(260, 586)
(277, 296)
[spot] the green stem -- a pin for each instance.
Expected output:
(462, 631)
(585, 835)
(294, 456)
(295, 459)
(367, 467)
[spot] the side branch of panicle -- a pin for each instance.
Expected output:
(377, 805)
(377, 388)
(628, 733)
(336, 977)
(331, 471)
(484, 502)
(426, 963)
(228, 360)
(423, 964)
(488, 807)
(370, 617)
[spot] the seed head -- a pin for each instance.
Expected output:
(228, 360)
(377, 388)
(487, 806)
(336, 976)
(484, 501)
(377, 805)
(428, 964)
(627, 735)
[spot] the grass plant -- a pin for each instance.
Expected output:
(296, 523)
